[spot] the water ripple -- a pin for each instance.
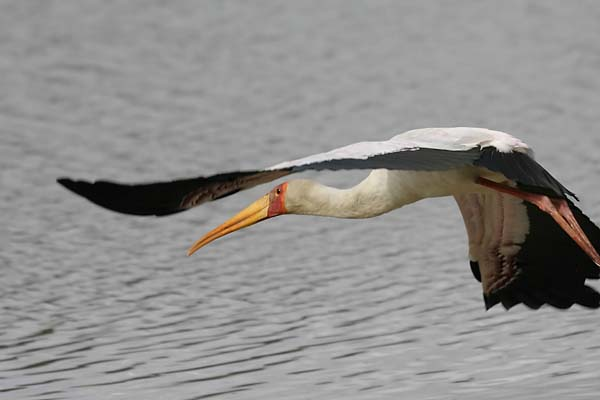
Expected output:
(95, 305)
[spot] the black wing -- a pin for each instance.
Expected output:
(524, 170)
(550, 268)
(164, 198)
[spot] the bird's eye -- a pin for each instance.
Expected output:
(278, 191)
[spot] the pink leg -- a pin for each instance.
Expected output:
(558, 209)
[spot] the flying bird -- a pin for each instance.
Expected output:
(528, 242)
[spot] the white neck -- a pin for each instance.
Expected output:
(375, 195)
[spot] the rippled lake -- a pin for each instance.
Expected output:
(97, 305)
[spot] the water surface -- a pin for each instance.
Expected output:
(97, 305)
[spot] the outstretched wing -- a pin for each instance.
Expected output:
(520, 255)
(165, 198)
(434, 149)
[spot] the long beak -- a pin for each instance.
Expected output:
(252, 214)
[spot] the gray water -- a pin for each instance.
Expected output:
(97, 305)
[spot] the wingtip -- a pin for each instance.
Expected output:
(66, 182)
(71, 184)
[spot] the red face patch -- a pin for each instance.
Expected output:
(277, 201)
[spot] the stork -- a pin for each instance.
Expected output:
(528, 242)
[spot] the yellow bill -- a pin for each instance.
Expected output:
(255, 212)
